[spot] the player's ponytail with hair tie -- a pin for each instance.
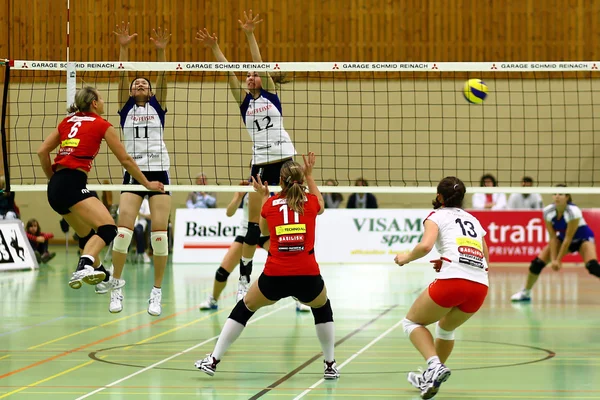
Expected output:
(455, 186)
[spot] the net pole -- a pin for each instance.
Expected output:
(3, 126)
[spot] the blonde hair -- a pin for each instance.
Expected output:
(292, 177)
(83, 99)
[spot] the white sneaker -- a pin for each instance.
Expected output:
(209, 304)
(522, 295)
(87, 275)
(302, 307)
(331, 371)
(146, 259)
(416, 379)
(154, 307)
(208, 365)
(116, 300)
(243, 286)
(103, 287)
(433, 378)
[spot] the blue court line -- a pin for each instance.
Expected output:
(33, 326)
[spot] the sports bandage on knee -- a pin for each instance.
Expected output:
(107, 233)
(123, 239)
(537, 266)
(83, 241)
(323, 314)
(443, 334)
(409, 326)
(241, 313)
(593, 267)
(253, 234)
(160, 243)
(221, 275)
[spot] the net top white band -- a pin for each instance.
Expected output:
(525, 66)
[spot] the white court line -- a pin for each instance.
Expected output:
(156, 364)
(342, 365)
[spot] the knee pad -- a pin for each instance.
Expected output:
(409, 326)
(536, 266)
(262, 240)
(83, 241)
(323, 314)
(107, 233)
(160, 243)
(593, 267)
(123, 239)
(240, 313)
(221, 275)
(443, 334)
(253, 234)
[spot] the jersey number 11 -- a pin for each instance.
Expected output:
(137, 132)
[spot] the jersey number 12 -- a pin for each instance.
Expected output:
(268, 124)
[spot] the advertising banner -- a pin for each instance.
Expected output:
(15, 250)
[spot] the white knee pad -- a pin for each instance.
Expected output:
(160, 243)
(122, 240)
(409, 326)
(442, 334)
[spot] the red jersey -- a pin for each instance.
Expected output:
(292, 249)
(80, 137)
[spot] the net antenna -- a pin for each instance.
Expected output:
(71, 73)
(400, 125)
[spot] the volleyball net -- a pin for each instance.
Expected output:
(400, 126)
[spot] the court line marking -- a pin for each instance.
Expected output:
(85, 346)
(318, 355)
(3, 357)
(100, 389)
(84, 330)
(33, 326)
(342, 365)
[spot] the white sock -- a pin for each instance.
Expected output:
(527, 291)
(326, 335)
(89, 258)
(431, 361)
(246, 260)
(231, 331)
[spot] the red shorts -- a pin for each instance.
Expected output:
(467, 295)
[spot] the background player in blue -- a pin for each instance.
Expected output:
(142, 121)
(569, 233)
(262, 115)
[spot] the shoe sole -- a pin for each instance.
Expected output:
(95, 278)
(75, 284)
(154, 315)
(207, 371)
(115, 311)
(520, 300)
(432, 391)
(414, 384)
(331, 377)
(101, 291)
(207, 309)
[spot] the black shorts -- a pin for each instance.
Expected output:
(239, 239)
(161, 176)
(576, 245)
(269, 172)
(305, 288)
(66, 188)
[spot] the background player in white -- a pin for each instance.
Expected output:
(460, 288)
(525, 201)
(569, 233)
(142, 121)
(262, 115)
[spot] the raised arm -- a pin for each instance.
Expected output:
(309, 163)
(161, 39)
(51, 143)
(124, 39)
(248, 26)
(211, 42)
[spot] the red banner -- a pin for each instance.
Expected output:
(519, 236)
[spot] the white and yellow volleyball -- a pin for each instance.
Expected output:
(475, 91)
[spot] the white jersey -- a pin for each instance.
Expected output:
(460, 244)
(521, 201)
(244, 222)
(264, 121)
(143, 130)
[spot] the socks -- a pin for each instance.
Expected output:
(84, 261)
(326, 335)
(101, 268)
(231, 331)
(246, 267)
(432, 361)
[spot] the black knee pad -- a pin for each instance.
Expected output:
(536, 266)
(262, 240)
(221, 275)
(240, 313)
(107, 233)
(593, 267)
(83, 241)
(253, 234)
(323, 314)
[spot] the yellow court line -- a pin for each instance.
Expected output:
(3, 357)
(85, 330)
(47, 379)
(178, 327)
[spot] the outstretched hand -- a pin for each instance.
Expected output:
(123, 35)
(206, 39)
(309, 163)
(250, 23)
(160, 38)
(260, 187)
(437, 264)
(401, 259)
(156, 186)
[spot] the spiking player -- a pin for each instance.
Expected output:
(142, 120)
(262, 114)
(79, 136)
(291, 268)
(459, 290)
(569, 233)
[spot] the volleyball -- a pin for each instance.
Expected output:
(475, 91)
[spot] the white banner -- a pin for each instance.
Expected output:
(346, 235)
(15, 250)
